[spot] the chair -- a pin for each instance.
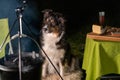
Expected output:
(110, 77)
(4, 37)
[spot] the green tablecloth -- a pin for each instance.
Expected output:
(100, 58)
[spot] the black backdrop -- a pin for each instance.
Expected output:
(79, 13)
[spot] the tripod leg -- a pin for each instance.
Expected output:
(28, 28)
(11, 49)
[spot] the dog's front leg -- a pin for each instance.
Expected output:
(44, 68)
(61, 69)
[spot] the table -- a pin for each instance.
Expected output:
(101, 56)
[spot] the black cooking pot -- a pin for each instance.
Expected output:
(30, 64)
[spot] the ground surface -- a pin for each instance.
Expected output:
(75, 75)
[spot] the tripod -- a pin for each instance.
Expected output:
(19, 14)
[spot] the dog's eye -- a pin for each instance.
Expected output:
(50, 19)
(45, 29)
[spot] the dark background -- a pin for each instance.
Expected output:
(83, 13)
(80, 14)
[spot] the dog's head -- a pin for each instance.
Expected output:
(53, 22)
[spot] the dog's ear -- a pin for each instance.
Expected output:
(60, 17)
(62, 20)
(47, 12)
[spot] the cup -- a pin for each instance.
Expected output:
(101, 18)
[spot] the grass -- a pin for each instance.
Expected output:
(77, 41)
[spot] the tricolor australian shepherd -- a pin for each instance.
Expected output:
(53, 42)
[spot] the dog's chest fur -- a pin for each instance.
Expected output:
(51, 48)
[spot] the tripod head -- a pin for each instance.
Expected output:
(21, 8)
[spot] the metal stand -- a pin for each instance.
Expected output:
(19, 11)
(19, 15)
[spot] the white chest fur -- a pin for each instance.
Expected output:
(50, 47)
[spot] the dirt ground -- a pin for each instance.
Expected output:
(74, 75)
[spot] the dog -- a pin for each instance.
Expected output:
(53, 42)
